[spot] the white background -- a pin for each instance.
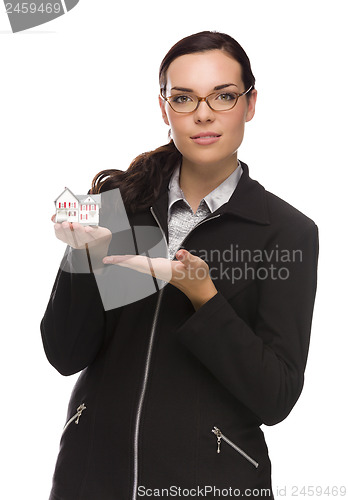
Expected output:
(79, 95)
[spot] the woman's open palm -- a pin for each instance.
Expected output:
(76, 235)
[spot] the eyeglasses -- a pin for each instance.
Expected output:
(217, 101)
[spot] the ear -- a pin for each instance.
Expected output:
(251, 105)
(164, 114)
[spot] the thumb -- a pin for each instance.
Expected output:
(184, 256)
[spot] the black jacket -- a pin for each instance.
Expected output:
(159, 377)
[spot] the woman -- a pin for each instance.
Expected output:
(184, 355)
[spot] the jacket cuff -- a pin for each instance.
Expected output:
(197, 323)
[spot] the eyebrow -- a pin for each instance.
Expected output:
(218, 87)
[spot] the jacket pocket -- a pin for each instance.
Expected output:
(220, 436)
(75, 417)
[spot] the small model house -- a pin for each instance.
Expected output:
(78, 208)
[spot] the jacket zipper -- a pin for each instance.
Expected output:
(142, 395)
(147, 364)
(220, 436)
(77, 416)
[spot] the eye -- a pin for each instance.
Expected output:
(181, 99)
(230, 96)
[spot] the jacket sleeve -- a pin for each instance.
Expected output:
(262, 365)
(73, 326)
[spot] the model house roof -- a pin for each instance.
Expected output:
(82, 198)
(91, 198)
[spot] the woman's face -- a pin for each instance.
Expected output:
(201, 72)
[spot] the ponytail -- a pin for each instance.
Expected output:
(142, 182)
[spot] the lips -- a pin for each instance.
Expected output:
(206, 138)
(205, 134)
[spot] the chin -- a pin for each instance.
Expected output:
(206, 157)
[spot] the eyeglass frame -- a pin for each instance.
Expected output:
(200, 99)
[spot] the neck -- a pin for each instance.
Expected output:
(198, 180)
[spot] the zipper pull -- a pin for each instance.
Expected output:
(79, 412)
(217, 433)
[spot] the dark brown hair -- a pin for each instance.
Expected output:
(141, 183)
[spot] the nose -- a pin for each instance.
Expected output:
(204, 113)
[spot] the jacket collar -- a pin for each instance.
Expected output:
(248, 201)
